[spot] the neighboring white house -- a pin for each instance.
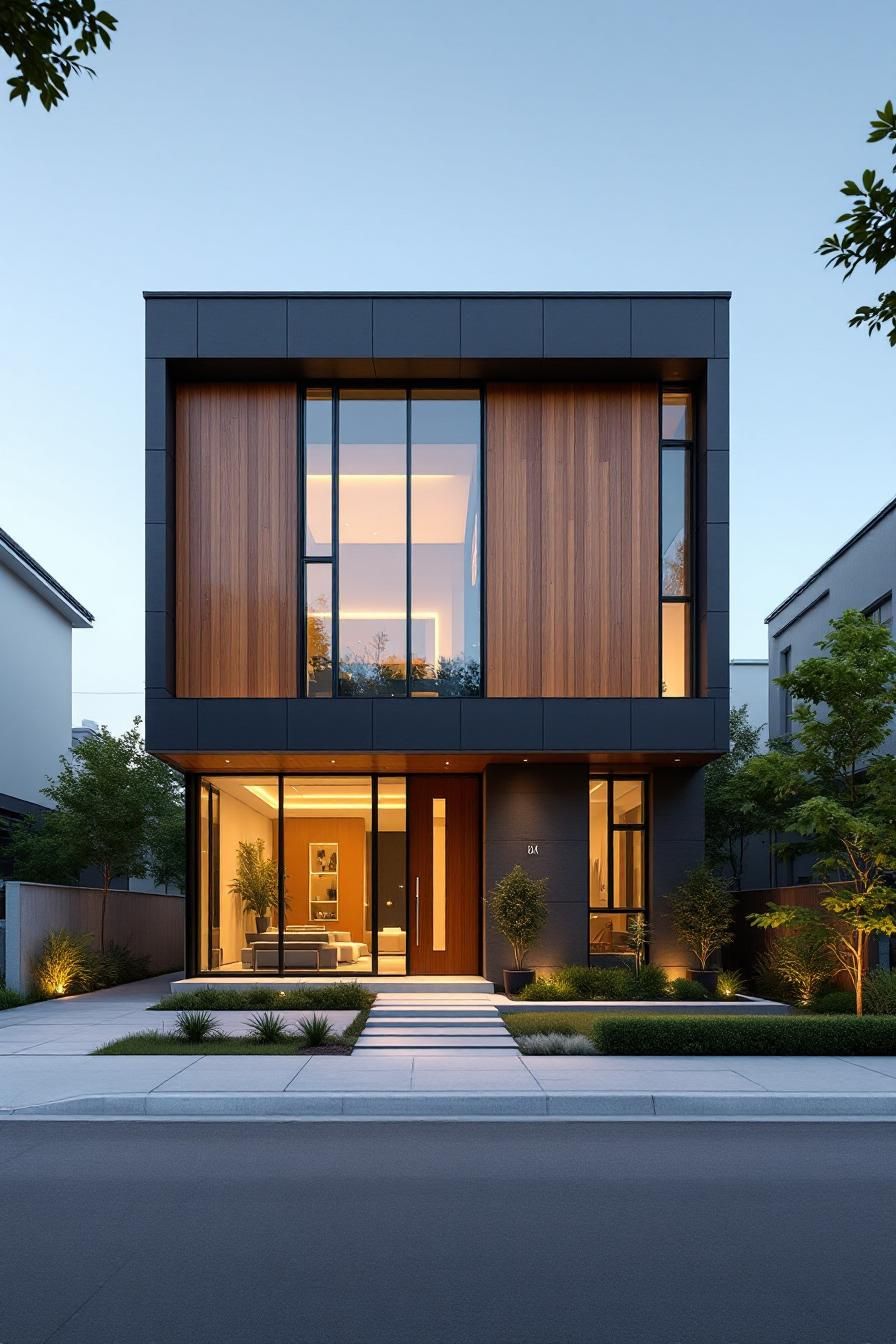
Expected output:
(37, 616)
(749, 686)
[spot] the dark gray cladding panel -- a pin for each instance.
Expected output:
(717, 567)
(717, 486)
(501, 725)
(587, 725)
(159, 487)
(159, 651)
(159, 567)
(171, 329)
(673, 326)
(673, 725)
(242, 725)
(512, 328)
(242, 328)
(717, 657)
(330, 725)
(717, 404)
(677, 797)
(330, 328)
(156, 405)
(587, 328)
(416, 725)
(418, 328)
(533, 800)
(722, 314)
(171, 725)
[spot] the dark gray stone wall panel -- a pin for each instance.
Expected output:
(242, 725)
(528, 801)
(421, 328)
(717, 567)
(673, 725)
(717, 405)
(171, 725)
(501, 725)
(722, 313)
(329, 725)
(587, 328)
(170, 328)
(159, 569)
(673, 327)
(242, 328)
(717, 486)
(717, 657)
(416, 725)
(496, 328)
(159, 651)
(159, 487)
(587, 725)
(330, 328)
(156, 405)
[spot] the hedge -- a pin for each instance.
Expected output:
(349, 995)
(638, 1034)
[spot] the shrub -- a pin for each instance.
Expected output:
(651, 982)
(519, 910)
(556, 1043)
(347, 995)
(548, 1024)
(315, 1030)
(729, 984)
(803, 959)
(196, 1027)
(595, 982)
(768, 983)
(698, 1035)
(690, 990)
(835, 1001)
(880, 992)
(63, 965)
(10, 999)
(116, 966)
(268, 1027)
(542, 991)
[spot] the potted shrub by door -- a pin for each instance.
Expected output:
(702, 910)
(256, 882)
(519, 912)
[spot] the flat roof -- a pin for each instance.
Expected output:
(437, 293)
(17, 559)
(856, 536)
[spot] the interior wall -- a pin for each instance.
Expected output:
(349, 833)
(238, 822)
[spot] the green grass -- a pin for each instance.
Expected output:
(9, 998)
(536, 1024)
(160, 1043)
(349, 996)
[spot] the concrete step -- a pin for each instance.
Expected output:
(433, 1015)
(434, 1033)
(424, 1044)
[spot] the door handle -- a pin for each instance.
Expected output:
(417, 907)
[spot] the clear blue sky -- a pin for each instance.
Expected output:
(417, 144)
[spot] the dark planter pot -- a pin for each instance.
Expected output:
(708, 979)
(514, 981)
(262, 923)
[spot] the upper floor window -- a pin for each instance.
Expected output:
(392, 553)
(676, 587)
(786, 695)
(882, 612)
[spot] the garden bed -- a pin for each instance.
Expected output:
(742, 1005)
(649, 1033)
(162, 1043)
(351, 995)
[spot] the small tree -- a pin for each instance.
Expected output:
(255, 883)
(637, 935)
(845, 807)
(732, 807)
(702, 911)
(802, 958)
(108, 797)
(519, 910)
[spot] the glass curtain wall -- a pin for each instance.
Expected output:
(676, 563)
(391, 566)
(617, 821)
(342, 837)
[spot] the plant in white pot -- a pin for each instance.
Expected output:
(256, 882)
(702, 911)
(519, 912)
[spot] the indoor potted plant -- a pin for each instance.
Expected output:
(519, 912)
(702, 911)
(256, 882)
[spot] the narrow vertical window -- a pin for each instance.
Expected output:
(317, 571)
(618, 865)
(438, 875)
(676, 453)
(318, 630)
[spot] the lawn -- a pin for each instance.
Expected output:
(563, 1024)
(157, 1043)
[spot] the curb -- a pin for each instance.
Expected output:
(452, 1106)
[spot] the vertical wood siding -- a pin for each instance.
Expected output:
(236, 530)
(572, 581)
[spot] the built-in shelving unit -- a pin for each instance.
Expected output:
(323, 882)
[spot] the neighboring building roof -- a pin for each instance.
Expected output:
(857, 536)
(437, 293)
(17, 559)
(749, 662)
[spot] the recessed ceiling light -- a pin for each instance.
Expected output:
(226, 760)
(447, 762)
(677, 760)
(332, 760)
(525, 760)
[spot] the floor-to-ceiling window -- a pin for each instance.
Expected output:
(391, 561)
(676, 564)
(302, 874)
(617, 879)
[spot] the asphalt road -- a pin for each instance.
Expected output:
(429, 1233)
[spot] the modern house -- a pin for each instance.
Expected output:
(859, 576)
(38, 617)
(437, 584)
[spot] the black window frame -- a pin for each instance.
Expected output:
(335, 388)
(612, 828)
(689, 447)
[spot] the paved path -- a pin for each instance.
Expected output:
(454, 1025)
(438, 1233)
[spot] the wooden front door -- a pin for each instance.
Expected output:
(444, 877)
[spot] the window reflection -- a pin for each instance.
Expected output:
(675, 523)
(318, 473)
(319, 630)
(598, 817)
(677, 416)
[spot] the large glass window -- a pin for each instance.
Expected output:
(392, 924)
(392, 554)
(445, 527)
(675, 544)
(617, 819)
(239, 874)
